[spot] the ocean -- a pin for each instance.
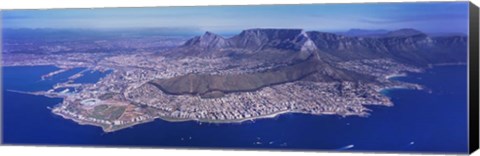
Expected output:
(420, 121)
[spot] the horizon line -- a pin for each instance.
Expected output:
(197, 30)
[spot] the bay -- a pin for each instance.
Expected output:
(419, 121)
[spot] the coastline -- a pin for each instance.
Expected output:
(268, 116)
(109, 129)
(329, 126)
(112, 128)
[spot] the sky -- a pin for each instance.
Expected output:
(439, 17)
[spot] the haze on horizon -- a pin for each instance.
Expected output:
(430, 17)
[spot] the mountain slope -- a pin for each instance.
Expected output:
(404, 45)
(304, 56)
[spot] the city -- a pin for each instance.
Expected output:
(217, 80)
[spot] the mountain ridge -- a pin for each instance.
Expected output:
(303, 56)
(404, 45)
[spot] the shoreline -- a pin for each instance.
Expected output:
(112, 128)
(268, 116)
(236, 121)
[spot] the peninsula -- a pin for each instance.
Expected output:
(259, 73)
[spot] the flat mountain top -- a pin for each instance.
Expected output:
(302, 56)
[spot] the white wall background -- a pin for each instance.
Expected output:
(83, 151)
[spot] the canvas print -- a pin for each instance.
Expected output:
(389, 77)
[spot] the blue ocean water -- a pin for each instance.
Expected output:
(27, 78)
(420, 121)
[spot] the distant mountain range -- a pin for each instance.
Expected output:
(404, 45)
(384, 32)
(309, 55)
(363, 32)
